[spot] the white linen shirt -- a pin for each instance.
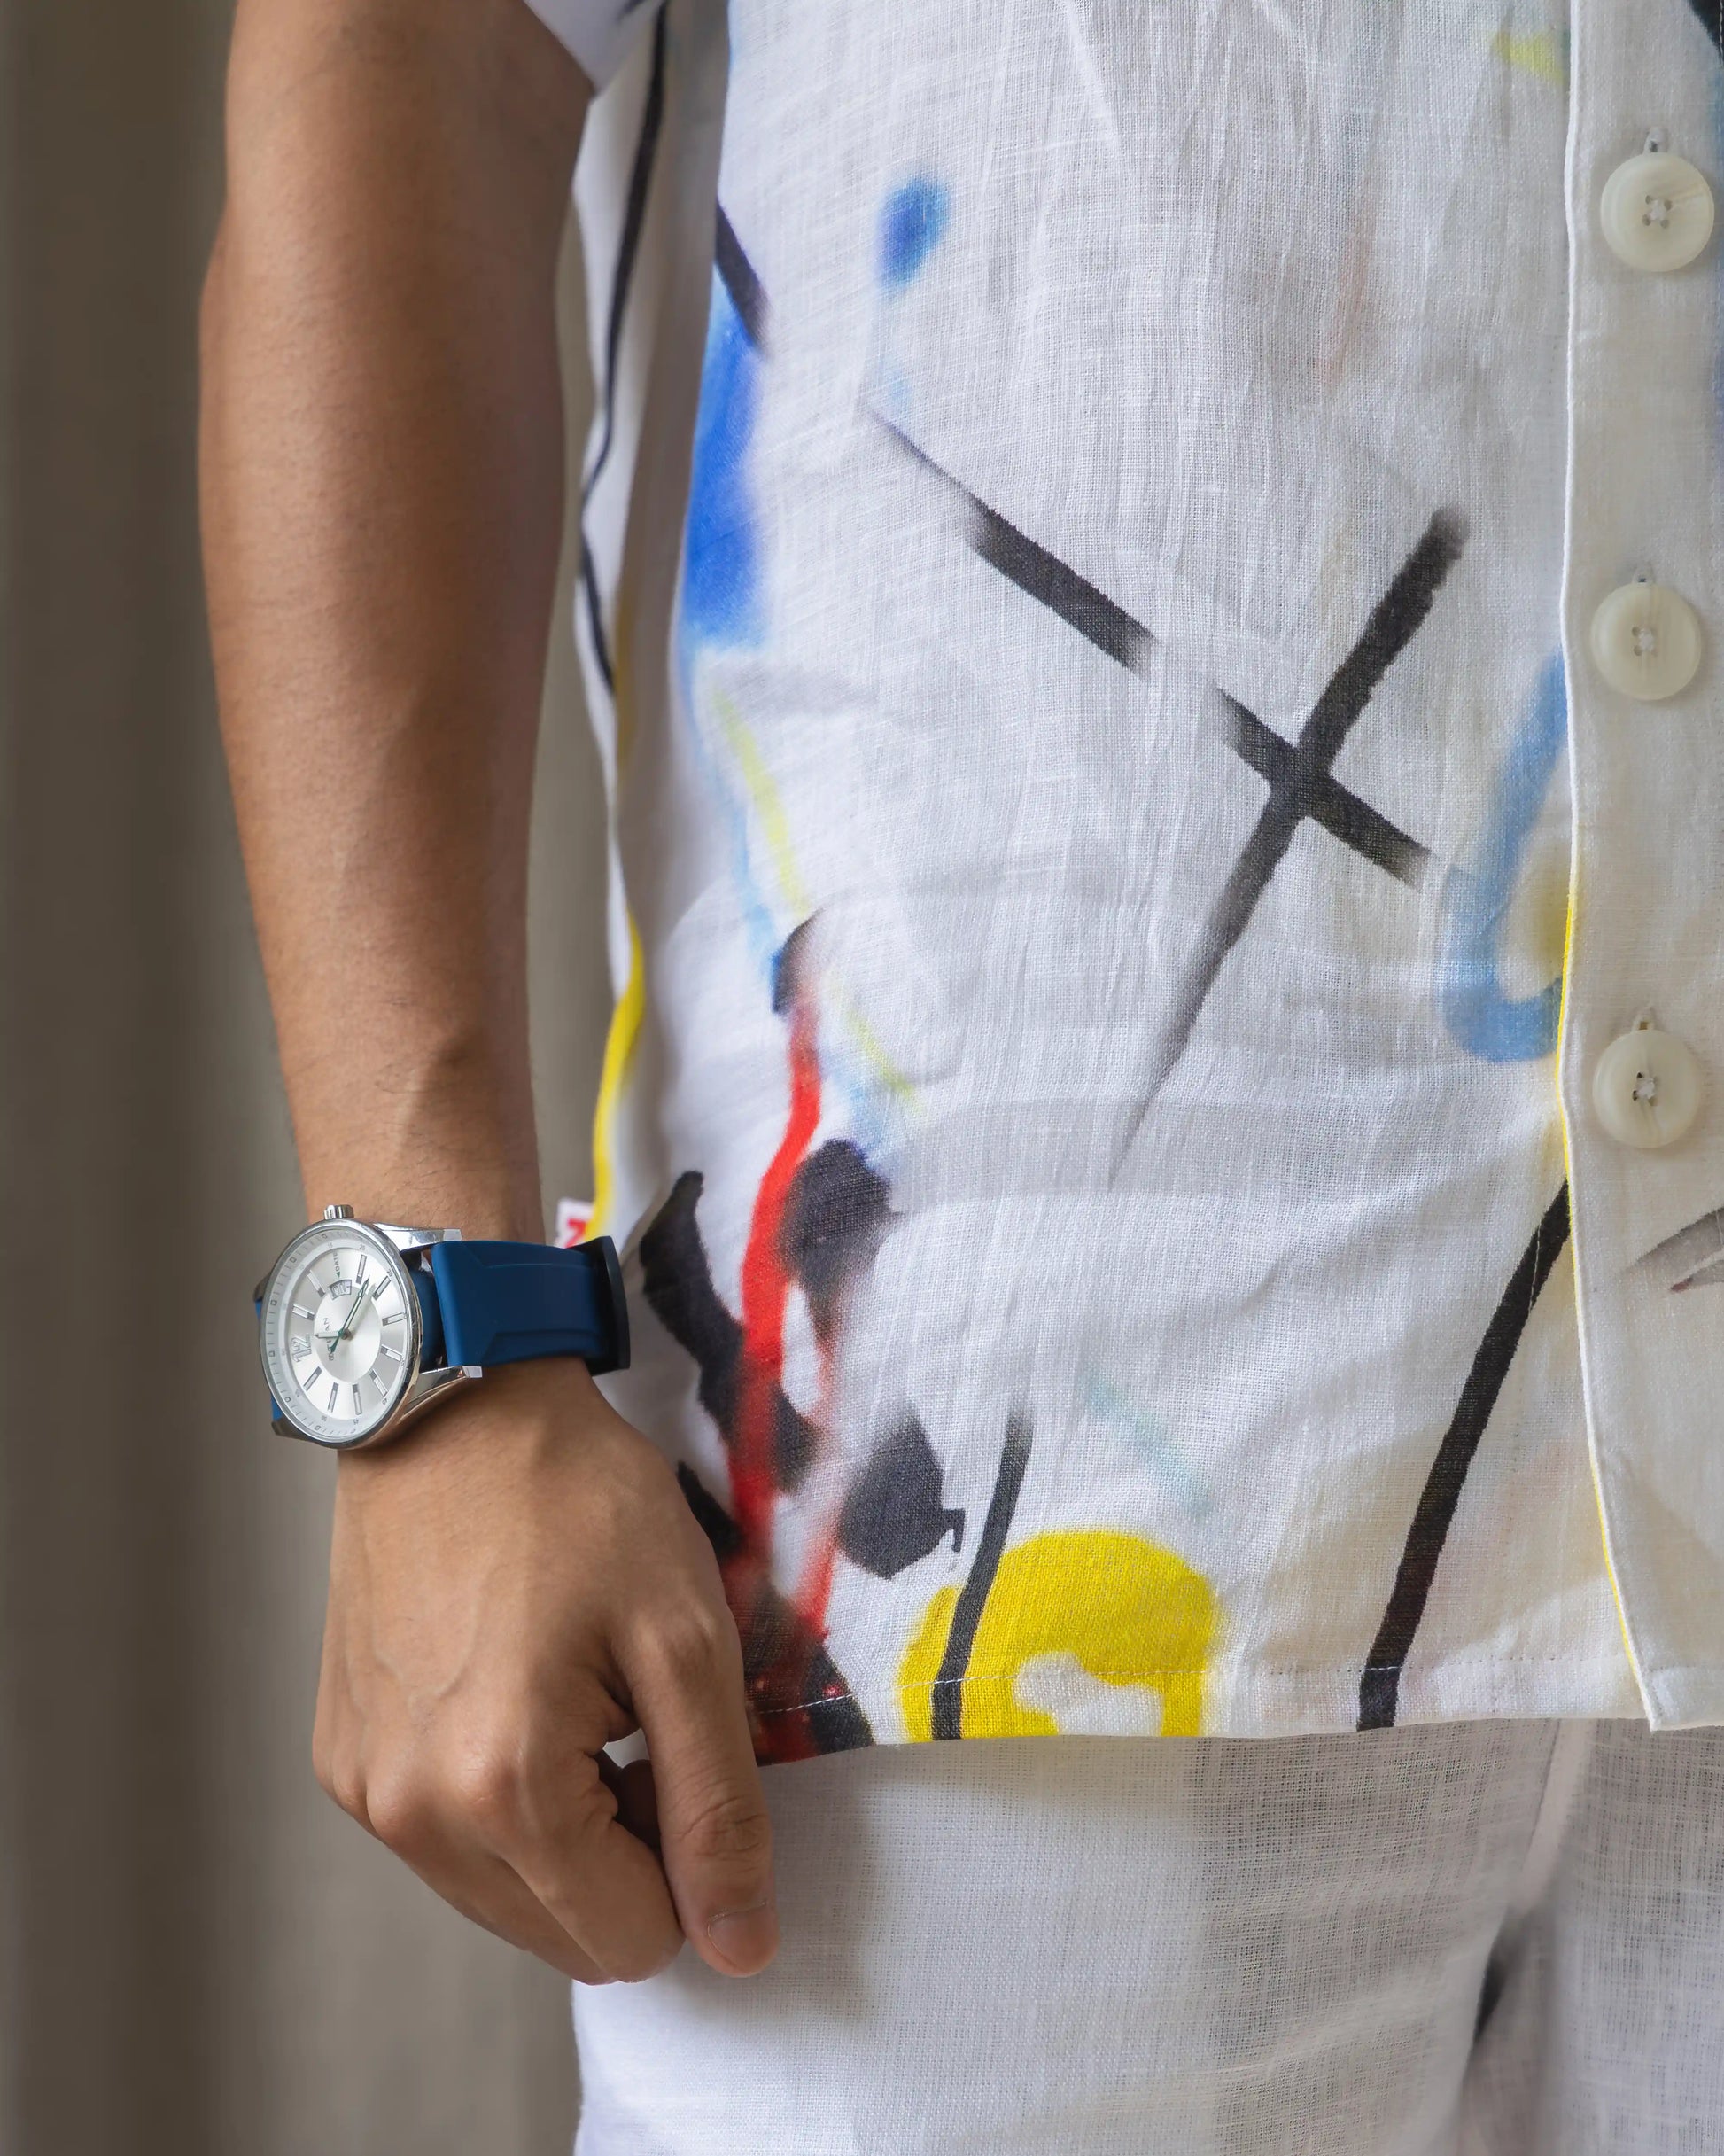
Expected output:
(1150, 590)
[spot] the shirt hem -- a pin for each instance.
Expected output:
(1246, 1703)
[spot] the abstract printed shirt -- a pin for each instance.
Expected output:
(1164, 1100)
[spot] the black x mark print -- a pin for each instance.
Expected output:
(1299, 774)
(1393, 623)
(1101, 622)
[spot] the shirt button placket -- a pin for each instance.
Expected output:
(1644, 639)
(1641, 627)
(1646, 1086)
(1655, 211)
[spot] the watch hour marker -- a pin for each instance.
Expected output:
(357, 1410)
(394, 1354)
(297, 1346)
(334, 1397)
(299, 1311)
(383, 1282)
(382, 1389)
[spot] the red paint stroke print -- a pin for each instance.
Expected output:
(819, 1219)
(765, 1277)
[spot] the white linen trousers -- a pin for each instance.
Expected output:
(1471, 1939)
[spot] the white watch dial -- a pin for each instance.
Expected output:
(340, 1331)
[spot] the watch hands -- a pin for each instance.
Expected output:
(334, 1340)
(357, 1305)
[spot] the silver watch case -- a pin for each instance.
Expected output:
(424, 1388)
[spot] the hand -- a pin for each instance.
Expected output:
(335, 1339)
(513, 1585)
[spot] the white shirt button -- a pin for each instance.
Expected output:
(1646, 1088)
(1656, 211)
(1646, 642)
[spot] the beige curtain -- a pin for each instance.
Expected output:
(196, 1953)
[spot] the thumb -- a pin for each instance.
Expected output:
(716, 1834)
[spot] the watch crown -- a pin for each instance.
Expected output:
(337, 1212)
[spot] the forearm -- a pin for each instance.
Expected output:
(381, 482)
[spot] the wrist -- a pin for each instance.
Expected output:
(439, 1135)
(480, 1191)
(502, 1428)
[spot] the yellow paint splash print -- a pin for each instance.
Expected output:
(1066, 1612)
(767, 804)
(618, 1051)
(1542, 54)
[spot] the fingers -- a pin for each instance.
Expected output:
(715, 1835)
(637, 1802)
(601, 1884)
(487, 1892)
(534, 1854)
(480, 1886)
(598, 1872)
(497, 1618)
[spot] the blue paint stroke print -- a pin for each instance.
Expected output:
(1496, 1027)
(720, 602)
(721, 554)
(1166, 1461)
(912, 222)
(723, 607)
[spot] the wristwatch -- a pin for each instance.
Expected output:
(363, 1327)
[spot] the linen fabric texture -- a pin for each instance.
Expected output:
(1123, 864)
(1481, 1939)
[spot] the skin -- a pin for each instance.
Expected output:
(518, 1582)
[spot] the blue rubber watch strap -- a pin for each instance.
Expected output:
(515, 1302)
(431, 1316)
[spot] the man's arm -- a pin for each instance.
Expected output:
(518, 1582)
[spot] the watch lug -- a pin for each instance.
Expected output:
(426, 1389)
(416, 1238)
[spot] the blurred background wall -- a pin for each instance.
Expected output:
(196, 1953)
